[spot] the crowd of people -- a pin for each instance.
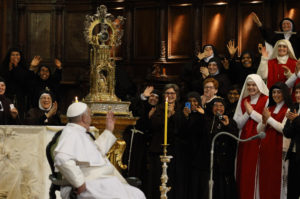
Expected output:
(239, 95)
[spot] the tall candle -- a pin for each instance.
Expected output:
(166, 122)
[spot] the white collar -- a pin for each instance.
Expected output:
(79, 127)
(254, 98)
(282, 59)
(208, 58)
(278, 107)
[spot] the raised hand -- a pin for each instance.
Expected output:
(57, 63)
(201, 55)
(231, 48)
(225, 120)
(35, 62)
(148, 91)
(256, 19)
(110, 121)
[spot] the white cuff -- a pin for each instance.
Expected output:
(275, 124)
(256, 116)
(143, 97)
(72, 173)
(291, 81)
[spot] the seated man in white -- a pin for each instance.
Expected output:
(83, 162)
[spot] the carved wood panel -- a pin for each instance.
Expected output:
(180, 31)
(40, 35)
(145, 33)
(76, 48)
(213, 26)
(248, 33)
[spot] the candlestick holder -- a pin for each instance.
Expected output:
(164, 176)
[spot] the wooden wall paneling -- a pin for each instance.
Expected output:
(292, 10)
(145, 32)
(180, 22)
(213, 26)
(249, 35)
(127, 44)
(40, 34)
(59, 8)
(75, 49)
(7, 26)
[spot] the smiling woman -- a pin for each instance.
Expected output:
(45, 113)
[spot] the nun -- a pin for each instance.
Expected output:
(45, 113)
(253, 100)
(281, 64)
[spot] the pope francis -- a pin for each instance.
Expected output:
(83, 162)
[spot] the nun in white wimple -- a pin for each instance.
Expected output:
(280, 66)
(248, 114)
(83, 163)
(45, 113)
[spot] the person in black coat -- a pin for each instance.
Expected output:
(8, 112)
(213, 122)
(16, 74)
(176, 140)
(42, 79)
(238, 69)
(45, 113)
(138, 136)
(195, 72)
(215, 71)
(291, 130)
(287, 31)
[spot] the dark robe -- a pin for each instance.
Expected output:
(140, 142)
(271, 37)
(291, 130)
(37, 85)
(176, 140)
(36, 116)
(5, 115)
(224, 155)
(237, 73)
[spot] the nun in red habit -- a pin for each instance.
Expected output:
(271, 149)
(251, 104)
(281, 65)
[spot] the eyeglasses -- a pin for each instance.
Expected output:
(167, 93)
(209, 87)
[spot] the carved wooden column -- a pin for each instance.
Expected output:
(197, 25)
(162, 29)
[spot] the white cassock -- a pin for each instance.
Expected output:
(82, 160)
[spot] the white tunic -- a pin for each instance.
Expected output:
(82, 160)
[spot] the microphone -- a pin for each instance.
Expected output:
(260, 135)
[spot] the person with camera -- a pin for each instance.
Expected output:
(213, 121)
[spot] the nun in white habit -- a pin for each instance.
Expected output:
(83, 162)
